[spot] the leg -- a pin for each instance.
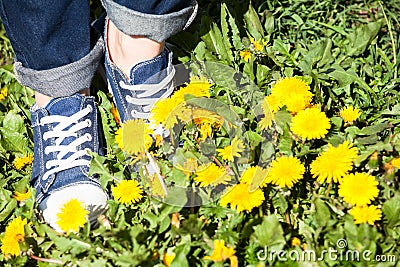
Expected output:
(135, 35)
(56, 59)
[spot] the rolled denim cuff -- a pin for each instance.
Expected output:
(155, 27)
(64, 80)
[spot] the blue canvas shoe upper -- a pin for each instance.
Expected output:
(149, 81)
(64, 131)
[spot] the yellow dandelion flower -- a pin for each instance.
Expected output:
(168, 258)
(366, 214)
(358, 188)
(3, 93)
(241, 199)
(159, 139)
(334, 163)
(205, 120)
(118, 137)
(256, 175)
(231, 151)
(296, 242)
(292, 92)
(211, 175)
(286, 171)
(167, 111)
(310, 124)
(197, 87)
(396, 163)
(115, 114)
(220, 252)
(127, 191)
(134, 136)
(245, 54)
(22, 196)
(256, 44)
(21, 162)
(234, 261)
(350, 114)
(272, 103)
(72, 216)
(14, 234)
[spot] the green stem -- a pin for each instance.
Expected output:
(392, 39)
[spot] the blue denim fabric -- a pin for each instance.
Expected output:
(65, 106)
(47, 34)
(50, 34)
(155, 7)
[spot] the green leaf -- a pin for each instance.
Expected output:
(14, 122)
(235, 34)
(269, 22)
(9, 208)
(282, 47)
(215, 42)
(253, 23)
(362, 37)
(347, 77)
(280, 203)
(254, 138)
(98, 166)
(375, 129)
(319, 52)
(65, 244)
(180, 259)
(14, 141)
(391, 211)
(269, 233)
(322, 212)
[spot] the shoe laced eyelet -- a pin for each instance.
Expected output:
(89, 107)
(47, 165)
(89, 137)
(89, 122)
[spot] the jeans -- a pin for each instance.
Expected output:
(54, 52)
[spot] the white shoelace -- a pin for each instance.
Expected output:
(144, 99)
(60, 134)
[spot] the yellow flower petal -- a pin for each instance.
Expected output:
(310, 124)
(350, 114)
(286, 171)
(334, 163)
(14, 234)
(232, 151)
(366, 214)
(127, 191)
(358, 188)
(72, 216)
(241, 199)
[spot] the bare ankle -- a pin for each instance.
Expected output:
(126, 51)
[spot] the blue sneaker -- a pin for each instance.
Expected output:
(149, 81)
(64, 131)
